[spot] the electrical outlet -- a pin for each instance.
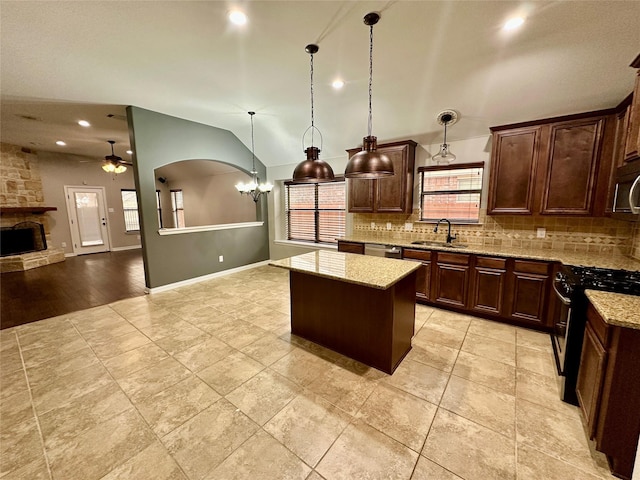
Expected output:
(373, 225)
(408, 226)
(541, 232)
(388, 225)
(64, 244)
(221, 258)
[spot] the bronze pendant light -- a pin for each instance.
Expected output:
(369, 163)
(312, 170)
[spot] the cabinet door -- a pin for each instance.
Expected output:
(351, 247)
(528, 287)
(574, 152)
(621, 123)
(395, 194)
(488, 284)
(423, 281)
(514, 160)
(632, 147)
(360, 195)
(451, 279)
(590, 376)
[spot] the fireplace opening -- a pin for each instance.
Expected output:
(23, 237)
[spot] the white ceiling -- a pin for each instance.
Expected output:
(63, 61)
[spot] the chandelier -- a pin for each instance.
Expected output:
(444, 156)
(254, 188)
(113, 163)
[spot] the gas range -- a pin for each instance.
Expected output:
(579, 278)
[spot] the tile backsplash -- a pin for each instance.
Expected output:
(597, 235)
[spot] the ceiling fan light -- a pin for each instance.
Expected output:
(369, 163)
(108, 167)
(120, 169)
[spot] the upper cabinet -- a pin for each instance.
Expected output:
(552, 166)
(390, 194)
(632, 145)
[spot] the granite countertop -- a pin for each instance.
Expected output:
(601, 260)
(617, 309)
(376, 272)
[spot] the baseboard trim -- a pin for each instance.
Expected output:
(130, 247)
(202, 278)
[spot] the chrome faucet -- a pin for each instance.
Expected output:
(450, 237)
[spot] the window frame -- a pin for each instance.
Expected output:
(316, 217)
(175, 209)
(137, 209)
(457, 166)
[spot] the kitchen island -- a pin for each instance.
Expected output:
(360, 306)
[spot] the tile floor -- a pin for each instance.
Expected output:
(206, 382)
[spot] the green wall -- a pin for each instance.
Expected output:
(157, 140)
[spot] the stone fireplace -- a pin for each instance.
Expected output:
(22, 203)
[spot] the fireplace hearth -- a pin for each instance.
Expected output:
(23, 237)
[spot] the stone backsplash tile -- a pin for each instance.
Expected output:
(596, 235)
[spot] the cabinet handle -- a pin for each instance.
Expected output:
(634, 208)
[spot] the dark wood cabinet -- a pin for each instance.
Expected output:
(423, 281)
(386, 195)
(451, 279)
(608, 389)
(620, 125)
(514, 160)
(350, 247)
(527, 292)
(488, 285)
(632, 143)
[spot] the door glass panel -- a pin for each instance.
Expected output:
(88, 219)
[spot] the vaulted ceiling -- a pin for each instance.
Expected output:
(65, 61)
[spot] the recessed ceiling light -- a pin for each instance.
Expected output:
(337, 84)
(513, 23)
(237, 17)
(84, 123)
(130, 152)
(61, 143)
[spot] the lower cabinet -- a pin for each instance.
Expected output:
(423, 281)
(351, 247)
(451, 279)
(529, 283)
(488, 281)
(608, 389)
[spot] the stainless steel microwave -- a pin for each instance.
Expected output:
(626, 201)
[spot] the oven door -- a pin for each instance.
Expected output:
(562, 318)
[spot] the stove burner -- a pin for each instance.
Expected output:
(620, 281)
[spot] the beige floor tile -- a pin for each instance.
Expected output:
(49, 352)
(170, 408)
(535, 465)
(267, 349)
(152, 316)
(301, 366)
(343, 388)
(41, 335)
(11, 360)
(482, 405)
(107, 328)
(230, 372)
(129, 362)
(537, 361)
(420, 380)
(428, 470)
(551, 432)
(315, 476)
(48, 372)
(489, 348)
(211, 320)
(261, 458)
(533, 339)
(94, 453)
(112, 347)
(496, 330)
(62, 424)
(165, 329)
(308, 425)
(433, 354)
(152, 463)
(363, 452)
(490, 373)
(202, 443)
(542, 390)
(241, 334)
(445, 318)
(20, 445)
(12, 383)
(204, 354)
(15, 409)
(154, 379)
(69, 387)
(8, 340)
(401, 416)
(443, 335)
(35, 470)
(469, 450)
(187, 337)
(264, 395)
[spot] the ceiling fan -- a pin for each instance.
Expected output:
(113, 163)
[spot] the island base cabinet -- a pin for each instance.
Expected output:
(367, 324)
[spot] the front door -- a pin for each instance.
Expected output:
(87, 219)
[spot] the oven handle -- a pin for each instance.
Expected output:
(563, 299)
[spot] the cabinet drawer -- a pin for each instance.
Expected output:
(416, 254)
(454, 258)
(351, 247)
(485, 262)
(531, 267)
(598, 324)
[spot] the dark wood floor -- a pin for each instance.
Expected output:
(77, 283)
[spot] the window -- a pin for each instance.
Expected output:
(130, 208)
(451, 192)
(315, 212)
(177, 206)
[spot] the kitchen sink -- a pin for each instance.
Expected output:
(431, 243)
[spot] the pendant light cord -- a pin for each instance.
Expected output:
(312, 124)
(445, 133)
(370, 75)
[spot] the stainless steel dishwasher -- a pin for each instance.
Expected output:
(379, 250)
